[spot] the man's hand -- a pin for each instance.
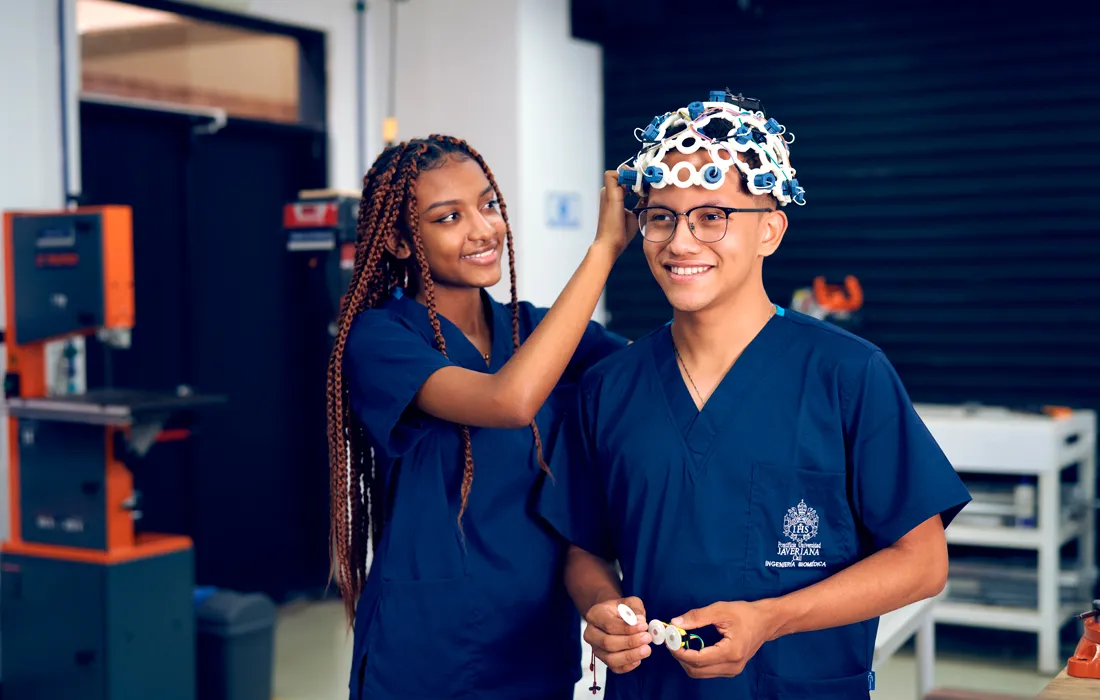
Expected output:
(619, 645)
(744, 628)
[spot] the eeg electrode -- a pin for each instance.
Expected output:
(683, 131)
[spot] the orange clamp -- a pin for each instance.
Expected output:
(834, 298)
(1085, 662)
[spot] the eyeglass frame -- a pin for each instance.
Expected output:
(687, 216)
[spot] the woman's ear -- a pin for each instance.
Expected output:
(397, 247)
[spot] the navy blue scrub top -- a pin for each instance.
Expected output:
(435, 621)
(807, 458)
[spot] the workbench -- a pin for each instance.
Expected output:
(1066, 687)
(897, 627)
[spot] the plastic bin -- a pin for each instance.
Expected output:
(235, 637)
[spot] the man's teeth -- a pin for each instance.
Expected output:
(689, 270)
(480, 255)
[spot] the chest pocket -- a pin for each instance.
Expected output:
(800, 528)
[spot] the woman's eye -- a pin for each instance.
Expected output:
(494, 204)
(447, 219)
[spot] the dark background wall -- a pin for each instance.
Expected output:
(223, 308)
(950, 159)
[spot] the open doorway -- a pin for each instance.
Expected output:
(135, 52)
(206, 123)
(200, 57)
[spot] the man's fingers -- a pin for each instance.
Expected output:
(718, 661)
(599, 639)
(694, 619)
(623, 661)
(710, 656)
(720, 671)
(606, 617)
(635, 604)
(615, 642)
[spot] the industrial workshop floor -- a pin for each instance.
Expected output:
(313, 655)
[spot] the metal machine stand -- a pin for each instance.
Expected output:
(92, 609)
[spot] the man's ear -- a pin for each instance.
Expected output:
(772, 227)
(397, 246)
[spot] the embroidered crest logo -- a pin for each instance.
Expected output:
(800, 526)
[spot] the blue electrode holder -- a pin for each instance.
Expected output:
(764, 181)
(792, 190)
(651, 132)
(628, 177)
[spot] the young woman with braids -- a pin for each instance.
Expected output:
(441, 413)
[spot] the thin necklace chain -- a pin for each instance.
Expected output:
(684, 364)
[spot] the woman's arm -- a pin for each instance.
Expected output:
(511, 397)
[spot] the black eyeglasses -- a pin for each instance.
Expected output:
(708, 223)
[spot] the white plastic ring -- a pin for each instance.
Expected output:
(685, 167)
(628, 615)
(716, 151)
(683, 136)
(657, 632)
(673, 638)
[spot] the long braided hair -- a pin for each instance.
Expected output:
(389, 189)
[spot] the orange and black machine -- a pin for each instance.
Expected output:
(92, 608)
(320, 226)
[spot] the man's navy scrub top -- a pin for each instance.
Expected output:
(435, 620)
(807, 458)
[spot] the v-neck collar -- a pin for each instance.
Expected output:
(460, 349)
(699, 429)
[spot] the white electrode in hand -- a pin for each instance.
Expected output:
(628, 615)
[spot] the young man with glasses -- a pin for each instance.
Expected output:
(760, 476)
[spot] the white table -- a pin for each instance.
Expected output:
(894, 630)
(992, 440)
